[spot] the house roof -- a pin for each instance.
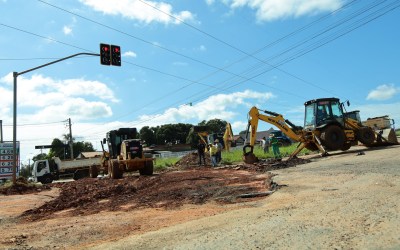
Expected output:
(90, 154)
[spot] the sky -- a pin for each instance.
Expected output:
(189, 61)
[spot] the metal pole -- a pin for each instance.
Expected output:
(1, 130)
(14, 175)
(71, 143)
(15, 75)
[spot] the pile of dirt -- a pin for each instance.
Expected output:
(192, 160)
(22, 186)
(166, 190)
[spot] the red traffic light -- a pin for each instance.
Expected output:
(105, 55)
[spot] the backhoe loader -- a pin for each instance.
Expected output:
(226, 138)
(326, 128)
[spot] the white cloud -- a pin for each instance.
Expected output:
(50, 99)
(129, 54)
(383, 92)
(219, 106)
(67, 30)
(277, 9)
(134, 9)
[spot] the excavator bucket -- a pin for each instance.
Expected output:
(389, 135)
(385, 137)
(248, 156)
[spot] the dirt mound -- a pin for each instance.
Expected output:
(192, 160)
(22, 186)
(167, 190)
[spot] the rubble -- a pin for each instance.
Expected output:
(187, 183)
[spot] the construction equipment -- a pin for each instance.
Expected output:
(226, 138)
(383, 127)
(326, 128)
(46, 171)
(125, 154)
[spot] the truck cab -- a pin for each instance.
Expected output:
(44, 171)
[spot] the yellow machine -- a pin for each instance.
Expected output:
(326, 128)
(125, 154)
(225, 138)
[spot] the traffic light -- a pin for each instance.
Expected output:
(105, 54)
(115, 55)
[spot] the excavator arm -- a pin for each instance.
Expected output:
(228, 136)
(292, 131)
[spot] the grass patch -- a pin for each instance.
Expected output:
(163, 163)
(236, 154)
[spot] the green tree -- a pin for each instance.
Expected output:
(82, 146)
(59, 149)
(148, 135)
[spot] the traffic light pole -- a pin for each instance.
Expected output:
(15, 75)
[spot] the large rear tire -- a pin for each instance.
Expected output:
(147, 169)
(366, 135)
(333, 137)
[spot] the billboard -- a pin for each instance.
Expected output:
(7, 160)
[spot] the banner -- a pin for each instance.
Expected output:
(7, 160)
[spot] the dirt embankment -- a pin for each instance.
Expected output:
(131, 205)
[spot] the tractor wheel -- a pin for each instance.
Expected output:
(333, 137)
(366, 135)
(115, 172)
(93, 171)
(147, 169)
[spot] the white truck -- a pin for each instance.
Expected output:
(45, 171)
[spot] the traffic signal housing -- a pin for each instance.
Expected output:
(105, 54)
(115, 55)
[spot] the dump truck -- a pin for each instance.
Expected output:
(125, 154)
(46, 171)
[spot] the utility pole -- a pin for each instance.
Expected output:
(1, 130)
(70, 139)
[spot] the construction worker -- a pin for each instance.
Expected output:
(265, 145)
(275, 146)
(200, 151)
(219, 150)
(213, 154)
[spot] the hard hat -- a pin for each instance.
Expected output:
(216, 140)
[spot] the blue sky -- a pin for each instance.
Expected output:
(188, 61)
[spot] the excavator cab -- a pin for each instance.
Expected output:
(322, 112)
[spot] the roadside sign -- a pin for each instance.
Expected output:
(6, 160)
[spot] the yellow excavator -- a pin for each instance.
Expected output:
(326, 128)
(225, 138)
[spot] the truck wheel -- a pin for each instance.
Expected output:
(46, 179)
(366, 135)
(115, 172)
(94, 172)
(147, 169)
(333, 137)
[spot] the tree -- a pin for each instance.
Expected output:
(147, 134)
(82, 146)
(59, 149)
